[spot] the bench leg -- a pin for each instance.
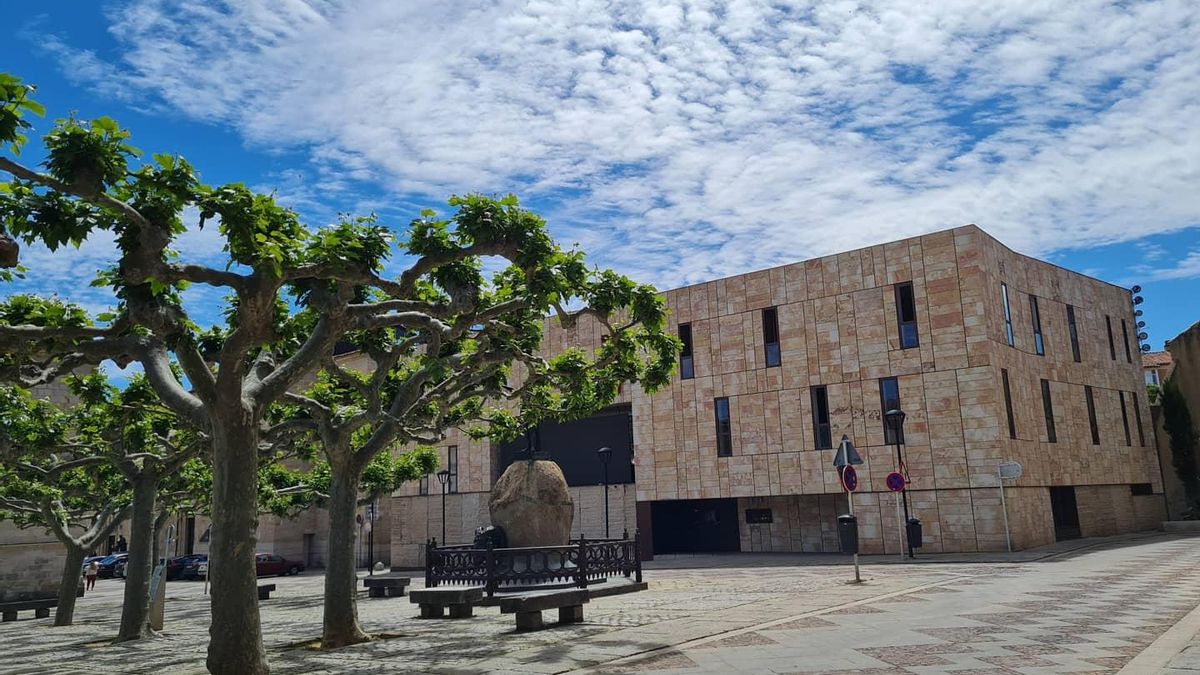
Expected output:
(42, 612)
(529, 620)
(573, 614)
(8, 616)
(395, 592)
(432, 611)
(463, 611)
(376, 592)
(264, 595)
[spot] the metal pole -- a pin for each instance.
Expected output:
(443, 514)
(850, 506)
(1004, 508)
(606, 500)
(901, 526)
(904, 496)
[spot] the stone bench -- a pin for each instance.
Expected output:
(41, 608)
(528, 608)
(265, 590)
(434, 601)
(389, 585)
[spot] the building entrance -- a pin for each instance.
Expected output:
(1066, 513)
(695, 526)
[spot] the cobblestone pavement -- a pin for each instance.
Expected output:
(1092, 610)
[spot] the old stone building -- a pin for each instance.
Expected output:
(994, 357)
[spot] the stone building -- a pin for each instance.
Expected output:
(994, 356)
(1181, 364)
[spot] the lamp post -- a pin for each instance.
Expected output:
(895, 422)
(605, 455)
(443, 477)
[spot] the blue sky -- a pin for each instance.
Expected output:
(674, 141)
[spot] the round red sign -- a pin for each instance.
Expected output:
(895, 482)
(849, 479)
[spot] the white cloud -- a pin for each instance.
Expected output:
(695, 139)
(1187, 267)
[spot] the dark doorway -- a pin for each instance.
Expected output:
(573, 446)
(695, 526)
(1066, 513)
(189, 537)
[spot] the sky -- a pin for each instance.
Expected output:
(674, 141)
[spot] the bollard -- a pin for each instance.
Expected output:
(913, 529)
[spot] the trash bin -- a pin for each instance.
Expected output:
(848, 533)
(914, 533)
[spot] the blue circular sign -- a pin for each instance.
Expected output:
(895, 482)
(849, 478)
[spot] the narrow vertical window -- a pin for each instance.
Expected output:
(1137, 415)
(1112, 347)
(770, 325)
(889, 399)
(1012, 422)
(1125, 335)
(1048, 410)
(1124, 418)
(423, 486)
(906, 315)
(687, 369)
(452, 467)
(1039, 343)
(1008, 329)
(724, 428)
(1091, 406)
(822, 433)
(1074, 333)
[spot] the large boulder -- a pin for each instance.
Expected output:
(532, 504)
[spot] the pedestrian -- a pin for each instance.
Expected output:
(93, 570)
(122, 546)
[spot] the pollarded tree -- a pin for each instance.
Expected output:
(296, 292)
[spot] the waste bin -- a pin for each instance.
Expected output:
(914, 533)
(848, 533)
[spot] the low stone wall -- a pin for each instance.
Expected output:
(30, 564)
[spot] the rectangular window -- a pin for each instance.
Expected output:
(1112, 347)
(1124, 418)
(770, 321)
(1074, 333)
(724, 428)
(1008, 329)
(423, 485)
(1048, 410)
(1091, 406)
(822, 432)
(452, 467)
(1152, 377)
(1012, 422)
(1137, 415)
(687, 369)
(1125, 334)
(1039, 344)
(906, 315)
(759, 516)
(889, 399)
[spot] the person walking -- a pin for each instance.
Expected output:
(93, 570)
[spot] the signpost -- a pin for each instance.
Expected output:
(1007, 471)
(895, 483)
(844, 461)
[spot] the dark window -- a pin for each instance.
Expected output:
(1112, 347)
(1141, 489)
(822, 433)
(452, 467)
(1124, 418)
(1137, 415)
(687, 369)
(906, 315)
(1008, 329)
(611, 427)
(1091, 406)
(423, 486)
(1048, 409)
(889, 399)
(1012, 423)
(1039, 344)
(724, 428)
(1125, 334)
(1074, 333)
(770, 320)
(755, 516)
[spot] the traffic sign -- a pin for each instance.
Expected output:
(1010, 470)
(849, 479)
(846, 454)
(895, 482)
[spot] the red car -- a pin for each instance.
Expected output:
(269, 563)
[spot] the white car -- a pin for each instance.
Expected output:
(202, 569)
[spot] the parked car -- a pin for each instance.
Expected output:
(269, 563)
(194, 568)
(119, 569)
(108, 564)
(176, 566)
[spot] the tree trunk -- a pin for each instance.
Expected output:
(235, 647)
(139, 566)
(341, 625)
(64, 613)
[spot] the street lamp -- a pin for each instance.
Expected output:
(443, 477)
(605, 455)
(894, 419)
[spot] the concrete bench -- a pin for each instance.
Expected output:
(265, 590)
(528, 608)
(434, 601)
(41, 608)
(389, 585)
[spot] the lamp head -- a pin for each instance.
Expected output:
(605, 454)
(895, 419)
(443, 476)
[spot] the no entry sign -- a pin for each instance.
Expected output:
(849, 479)
(895, 482)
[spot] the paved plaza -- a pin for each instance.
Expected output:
(1106, 605)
